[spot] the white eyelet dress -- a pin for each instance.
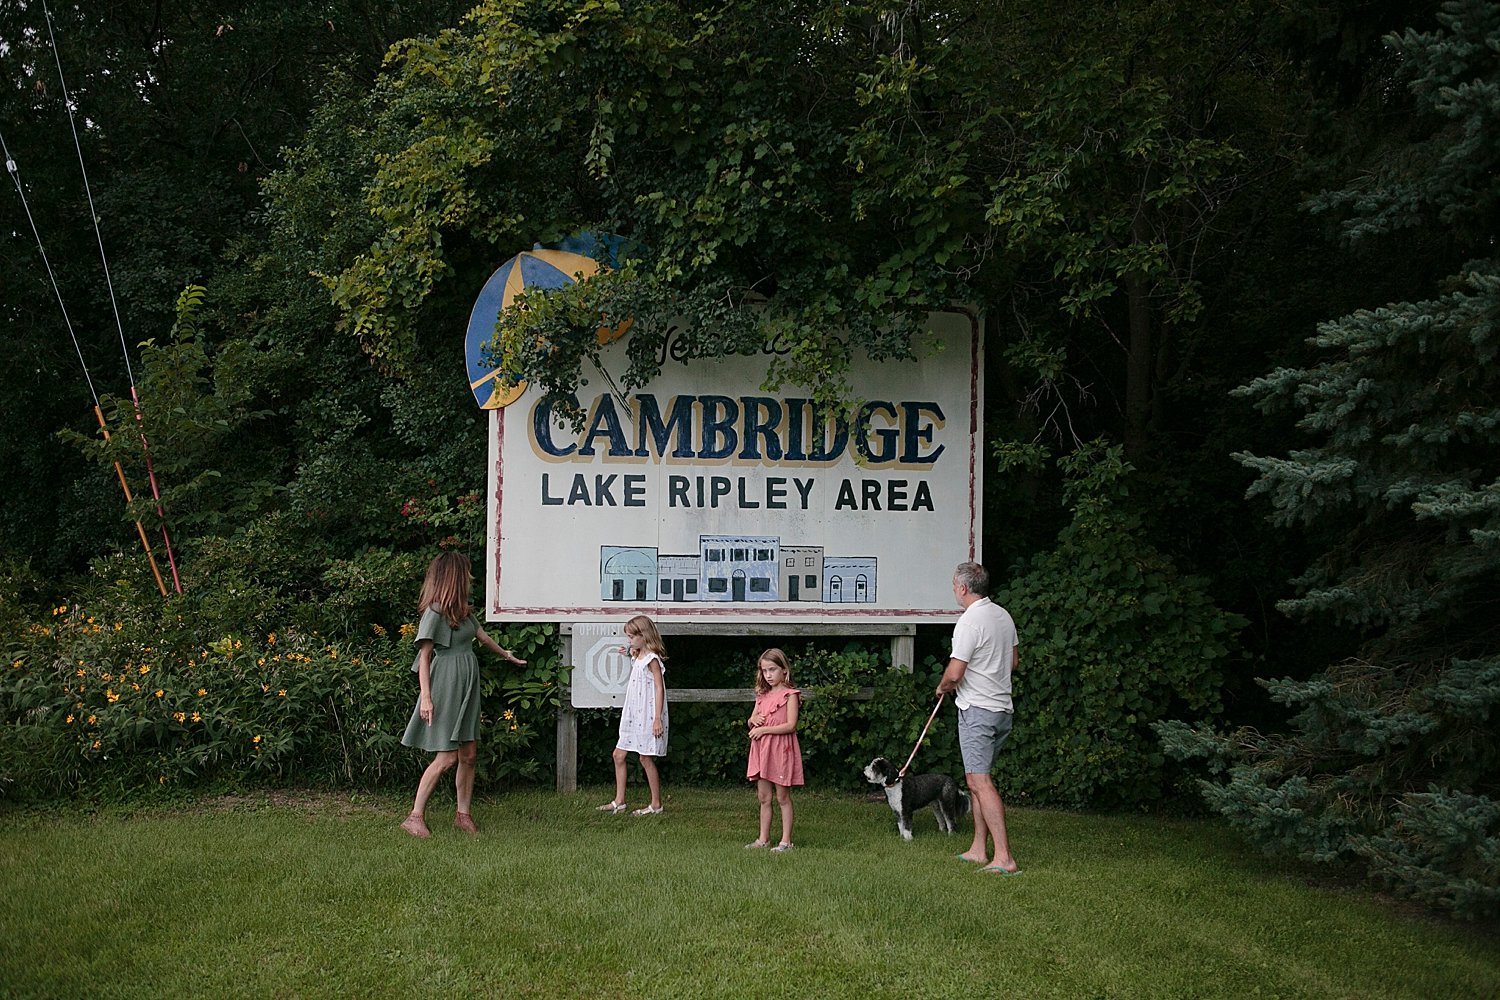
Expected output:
(640, 710)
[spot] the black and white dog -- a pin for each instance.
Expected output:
(907, 795)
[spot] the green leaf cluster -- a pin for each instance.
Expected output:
(113, 700)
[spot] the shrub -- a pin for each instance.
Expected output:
(107, 704)
(839, 734)
(1112, 639)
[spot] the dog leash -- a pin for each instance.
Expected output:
(902, 773)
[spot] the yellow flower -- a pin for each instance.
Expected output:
(118, 626)
(17, 664)
(333, 654)
(256, 740)
(106, 677)
(408, 630)
(161, 779)
(197, 717)
(145, 669)
(281, 693)
(159, 692)
(70, 719)
(266, 688)
(96, 744)
(509, 716)
(111, 696)
(271, 639)
(79, 672)
(91, 720)
(202, 692)
(260, 662)
(238, 644)
(91, 619)
(135, 687)
(379, 629)
(180, 716)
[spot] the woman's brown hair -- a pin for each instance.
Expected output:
(446, 588)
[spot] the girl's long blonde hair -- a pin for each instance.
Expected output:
(446, 588)
(777, 657)
(650, 638)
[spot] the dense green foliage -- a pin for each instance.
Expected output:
(856, 708)
(1393, 755)
(300, 200)
(1116, 640)
(122, 695)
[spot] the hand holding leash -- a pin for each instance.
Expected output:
(902, 773)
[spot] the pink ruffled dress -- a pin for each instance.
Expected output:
(776, 758)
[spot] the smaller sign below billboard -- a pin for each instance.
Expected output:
(600, 670)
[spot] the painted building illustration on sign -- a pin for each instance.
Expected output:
(678, 576)
(849, 580)
(701, 496)
(802, 572)
(736, 568)
(627, 573)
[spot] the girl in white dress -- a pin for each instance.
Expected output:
(643, 722)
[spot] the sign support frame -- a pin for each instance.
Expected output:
(903, 651)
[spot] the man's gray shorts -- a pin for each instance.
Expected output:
(981, 733)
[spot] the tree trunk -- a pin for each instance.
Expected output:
(1139, 366)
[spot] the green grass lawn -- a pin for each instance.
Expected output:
(322, 896)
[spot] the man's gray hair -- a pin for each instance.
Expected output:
(974, 577)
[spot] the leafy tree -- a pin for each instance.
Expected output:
(1392, 756)
(181, 115)
(844, 166)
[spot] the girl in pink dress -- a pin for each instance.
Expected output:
(775, 755)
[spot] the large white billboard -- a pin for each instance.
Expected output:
(701, 497)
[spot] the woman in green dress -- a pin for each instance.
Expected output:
(446, 719)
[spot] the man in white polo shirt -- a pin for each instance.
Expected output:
(985, 649)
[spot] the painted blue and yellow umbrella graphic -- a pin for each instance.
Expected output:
(530, 270)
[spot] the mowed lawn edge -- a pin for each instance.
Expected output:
(321, 895)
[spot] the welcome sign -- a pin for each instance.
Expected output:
(702, 497)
